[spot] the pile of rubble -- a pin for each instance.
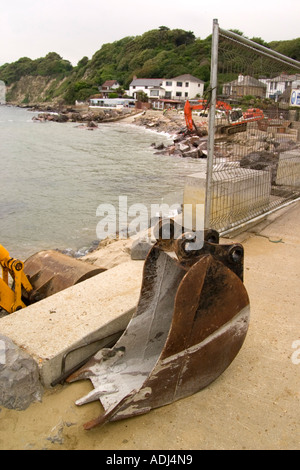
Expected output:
(192, 146)
(170, 123)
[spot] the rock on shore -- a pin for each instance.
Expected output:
(185, 146)
(89, 117)
(19, 376)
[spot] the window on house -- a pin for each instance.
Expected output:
(178, 83)
(168, 83)
(186, 94)
(154, 93)
(178, 93)
(186, 84)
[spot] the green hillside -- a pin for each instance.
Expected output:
(161, 52)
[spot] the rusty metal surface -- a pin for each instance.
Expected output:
(190, 323)
(51, 271)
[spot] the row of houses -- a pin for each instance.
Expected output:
(277, 88)
(160, 92)
(165, 92)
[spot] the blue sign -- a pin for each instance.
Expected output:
(295, 98)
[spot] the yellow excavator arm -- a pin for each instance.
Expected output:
(11, 298)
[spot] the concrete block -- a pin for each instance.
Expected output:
(99, 307)
(283, 135)
(288, 171)
(194, 201)
(236, 194)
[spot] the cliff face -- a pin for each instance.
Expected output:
(34, 90)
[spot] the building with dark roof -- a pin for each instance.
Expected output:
(243, 86)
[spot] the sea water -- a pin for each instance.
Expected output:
(54, 177)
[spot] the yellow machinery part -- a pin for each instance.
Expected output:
(11, 298)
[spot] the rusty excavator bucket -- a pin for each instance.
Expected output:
(51, 271)
(190, 323)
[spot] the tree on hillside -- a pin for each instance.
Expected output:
(82, 62)
(260, 41)
(290, 48)
(52, 64)
(237, 31)
(79, 91)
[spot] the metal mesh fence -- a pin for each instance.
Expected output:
(255, 156)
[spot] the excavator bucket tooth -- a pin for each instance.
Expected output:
(51, 271)
(190, 323)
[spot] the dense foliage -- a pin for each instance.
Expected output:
(157, 53)
(289, 48)
(51, 65)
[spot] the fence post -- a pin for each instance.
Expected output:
(211, 122)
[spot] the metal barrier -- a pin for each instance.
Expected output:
(253, 164)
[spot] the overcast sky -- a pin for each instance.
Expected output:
(78, 28)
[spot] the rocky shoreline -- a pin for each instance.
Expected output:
(171, 122)
(84, 115)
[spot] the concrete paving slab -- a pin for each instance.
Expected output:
(285, 227)
(96, 308)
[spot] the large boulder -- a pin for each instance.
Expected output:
(19, 377)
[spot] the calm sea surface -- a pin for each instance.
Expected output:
(53, 177)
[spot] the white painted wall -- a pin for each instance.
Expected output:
(173, 89)
(180, 89)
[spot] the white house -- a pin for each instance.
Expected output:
(183, 87)
(107, 87)
(296, 83)
(278, 85)
(152, 87)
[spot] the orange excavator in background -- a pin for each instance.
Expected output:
(236, 119)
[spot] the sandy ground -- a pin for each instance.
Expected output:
(253, 405)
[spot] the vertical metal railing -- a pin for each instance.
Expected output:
(211, 123)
